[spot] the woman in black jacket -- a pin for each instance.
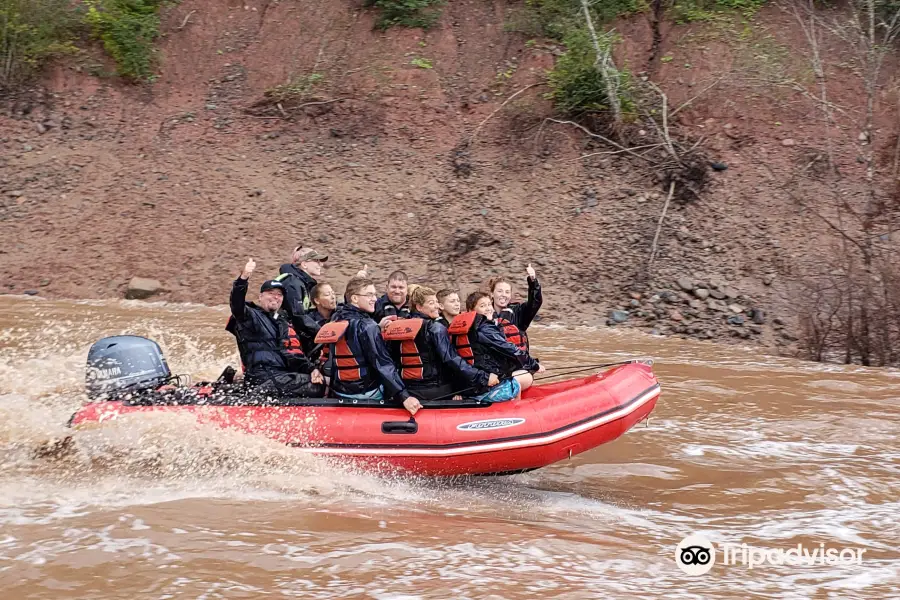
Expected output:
(324, 302)
(515, 318)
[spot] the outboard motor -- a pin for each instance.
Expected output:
(124, 363)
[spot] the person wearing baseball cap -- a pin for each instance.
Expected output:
(306, 265)
(271, 363)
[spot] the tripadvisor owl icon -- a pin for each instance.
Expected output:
(695, 555)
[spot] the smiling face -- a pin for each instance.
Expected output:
(450, 306)
(365, 299)
(270, 300)
(502, 294)
(397, 292)
(429, 307)
(484, 307)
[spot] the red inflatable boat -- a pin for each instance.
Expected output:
(550, 423)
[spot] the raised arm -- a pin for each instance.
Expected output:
(525, 312)
(238, 300)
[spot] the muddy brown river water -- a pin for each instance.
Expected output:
(741, 449)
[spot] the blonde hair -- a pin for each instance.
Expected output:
(418, 295)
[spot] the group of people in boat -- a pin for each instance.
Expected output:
(410, 344)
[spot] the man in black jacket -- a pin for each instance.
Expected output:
(305, 266)
(395, 302)
(261, 333)
(359, 361)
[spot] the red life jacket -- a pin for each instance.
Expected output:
(513, 334)
(346, 366)
(412, 361)
(292, 342)
(460, 330)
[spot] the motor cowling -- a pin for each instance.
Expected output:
(124, 363)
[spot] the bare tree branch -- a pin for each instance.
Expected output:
(659, 225)
(599, 137)
(186, 19)
(700, 93)
(664, 131)
(496, 110)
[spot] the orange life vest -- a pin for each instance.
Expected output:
(513, 334)
(346, 366)
(406, 331)
(460, 330)
(292, 342)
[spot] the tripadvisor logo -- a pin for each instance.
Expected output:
(695, 555)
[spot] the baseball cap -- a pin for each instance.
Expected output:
(271, 284)
(310, 254)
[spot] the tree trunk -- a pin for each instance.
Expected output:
(657, 10)
(605, 65)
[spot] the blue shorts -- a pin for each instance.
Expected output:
(504, 391)
(376, 394)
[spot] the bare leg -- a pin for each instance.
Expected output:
(524, 378)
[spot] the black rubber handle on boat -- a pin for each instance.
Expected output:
(400, 426)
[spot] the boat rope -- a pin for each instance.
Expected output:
(581, 369)
(570, 370)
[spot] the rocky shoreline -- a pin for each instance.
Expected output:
(700, 309)
(706, 310)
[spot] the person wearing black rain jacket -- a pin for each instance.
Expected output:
(481, 343)
(306, 264)
(495, 354)
(261, 332)
(515, 319)
(395, 302)
(429, 364)
(359, 360)
(324, 305)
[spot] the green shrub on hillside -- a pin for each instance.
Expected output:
(406, 13)
(687, 11)
(577, 85)
(30, 32)
(556, 18)
(298, 88)
(127, 29)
